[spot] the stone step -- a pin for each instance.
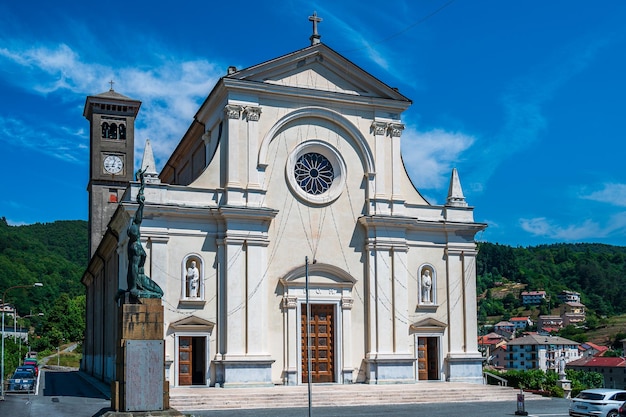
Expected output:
(191, 398)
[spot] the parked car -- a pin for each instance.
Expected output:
(29, 368)
(599, 402)
(32, 362)
(22, 381)
(621, 411)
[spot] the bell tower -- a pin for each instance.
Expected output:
(111, 156)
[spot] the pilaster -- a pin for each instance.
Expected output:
(397, 168)
(388, 358)
(254, 192)
(290, 344)
(456, 316)
(347, 373)
(234, 192)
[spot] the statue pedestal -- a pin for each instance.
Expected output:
(140, 358)
(566, 385)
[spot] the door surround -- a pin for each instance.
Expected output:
(433, 329)
(327, 285)
(191, 326)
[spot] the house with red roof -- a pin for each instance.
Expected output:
(489, 342)
(521, 322)
(589, 349)
(613, 369)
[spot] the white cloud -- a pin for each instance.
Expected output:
(614, 194)
(588, 229)
(170, 90)
(430, 156)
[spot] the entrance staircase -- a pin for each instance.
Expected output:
(333, 395)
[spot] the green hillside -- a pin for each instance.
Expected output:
(54, 254)
(596, 271)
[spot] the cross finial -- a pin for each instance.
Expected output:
(315, 37)
(111, 82)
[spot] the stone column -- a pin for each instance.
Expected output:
(234, 193)
(400, 300)
(290, 341)
(242, 307)
(456, 317)
(257, 343)
(464, 359)
(388, 357)
(381, 148)
(347, 372)
(397, 168)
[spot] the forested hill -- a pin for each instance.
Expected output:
(596, 271)
(55, 254)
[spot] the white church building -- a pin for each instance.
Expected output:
(287, 187)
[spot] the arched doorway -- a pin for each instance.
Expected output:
(330, 325)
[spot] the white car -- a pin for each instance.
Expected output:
(600, 402)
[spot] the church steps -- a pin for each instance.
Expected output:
(185, 399)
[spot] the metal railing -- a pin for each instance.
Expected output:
(500, 381)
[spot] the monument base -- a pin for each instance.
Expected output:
(566, 386)
(140, 384)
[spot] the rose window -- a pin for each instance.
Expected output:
(314, 173)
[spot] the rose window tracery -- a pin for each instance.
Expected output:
(314, 173)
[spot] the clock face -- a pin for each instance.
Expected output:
(113, 164)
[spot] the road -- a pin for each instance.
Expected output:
(63, 394)
(539, 408)
(60, 394)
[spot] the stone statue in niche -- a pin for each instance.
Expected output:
(193, 280)
(427, 286)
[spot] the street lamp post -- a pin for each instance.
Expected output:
(25, 317)
(4, 296)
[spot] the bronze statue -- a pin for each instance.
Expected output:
(139, 284)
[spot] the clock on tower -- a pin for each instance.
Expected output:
(111, 142)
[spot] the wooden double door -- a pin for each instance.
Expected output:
(191, 360)
(427, 358)
(322, 331)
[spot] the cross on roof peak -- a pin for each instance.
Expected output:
(111, 82)
(315, 37)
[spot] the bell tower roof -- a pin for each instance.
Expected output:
(111, 102)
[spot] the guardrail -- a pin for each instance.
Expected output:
(500, 381)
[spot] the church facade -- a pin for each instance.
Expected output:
(289, 240)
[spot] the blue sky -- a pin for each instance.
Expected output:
(526, 99)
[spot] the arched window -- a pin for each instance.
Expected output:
(113, 131)
(427, 285)
(192, 280)
(105, 130)
(122, 131)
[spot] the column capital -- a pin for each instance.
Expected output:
(233, 111)
(252, 113)
(379, 128)
(395, 129)
(290, 302)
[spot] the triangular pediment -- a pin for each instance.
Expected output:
(429, 324)
(318, 68)
(193, 323)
